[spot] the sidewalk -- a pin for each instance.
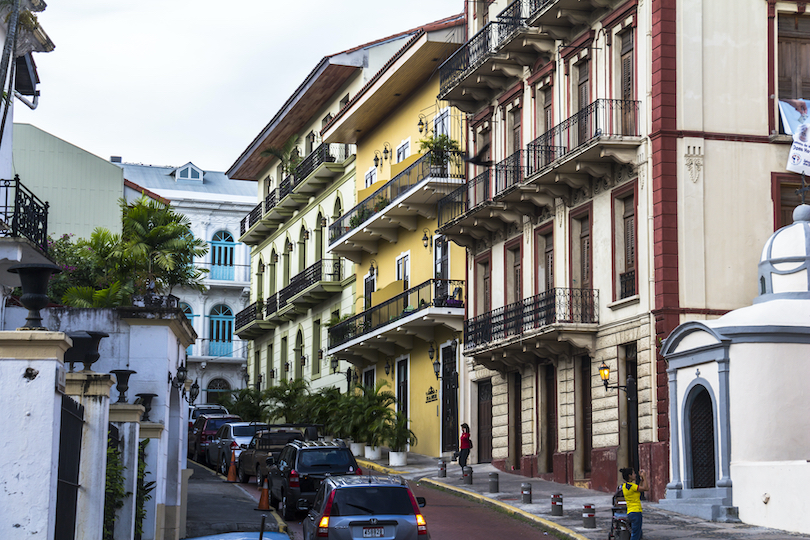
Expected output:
(659, 524)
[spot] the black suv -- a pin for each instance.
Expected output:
(301, 467)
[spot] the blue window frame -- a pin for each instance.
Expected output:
(222, 249)
(221, 331)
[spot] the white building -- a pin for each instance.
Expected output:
(739, 429)
(215, 204)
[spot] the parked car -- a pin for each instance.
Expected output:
(203, 431)
(351, 507)
(228, 439)
(194, 412)
(270, 442)
(301, 466)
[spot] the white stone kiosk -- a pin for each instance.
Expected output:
(739, 391)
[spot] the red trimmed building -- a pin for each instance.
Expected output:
(621, 153)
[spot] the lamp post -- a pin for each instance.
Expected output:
(631, 391)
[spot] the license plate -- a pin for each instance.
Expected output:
(373, 532)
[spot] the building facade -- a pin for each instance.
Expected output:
(609, 152)
(214, 204)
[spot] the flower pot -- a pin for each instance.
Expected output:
(357, 448)
(397, 459)
(373, 453)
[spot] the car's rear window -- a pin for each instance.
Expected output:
(354, 501)
(246, 431)
(215, 423)
(324, 459)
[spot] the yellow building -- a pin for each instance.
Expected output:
(409, 309)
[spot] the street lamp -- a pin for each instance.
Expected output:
(334, 364)
(387, 366)
(436, 365)
(425, 237)
(194, 392)
(631, 391)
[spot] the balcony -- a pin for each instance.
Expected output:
(306, 289)
(553, 322)
(250, 322)
(493, 59)
(565, 19)
(390, 327)
(558, 163)
(24, 228)
(320, 167)
(627, 284)
(396, 205)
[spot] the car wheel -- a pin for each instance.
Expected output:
(240, 473)
(258, 477)
(223, 466)
(287, 513)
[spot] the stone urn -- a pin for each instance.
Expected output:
(122, 382)
(34, 283)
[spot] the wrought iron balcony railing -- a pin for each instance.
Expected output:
(602, 118)
(250, 314)
(253, 217)
(271, 304)
(509, 172)
(469, 196)
(22, 214)
(323, 270)
(557, 305)
(449, 166)
(627, 284)
(324, 153)
(431, 293)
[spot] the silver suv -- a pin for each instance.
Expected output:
(355, 507)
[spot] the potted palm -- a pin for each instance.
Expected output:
(441, 148)
(377, 412)
(399, 436)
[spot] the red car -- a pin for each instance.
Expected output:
(203, 431)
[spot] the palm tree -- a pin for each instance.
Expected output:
(287, 400)
(287, 154)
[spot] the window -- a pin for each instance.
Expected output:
(403, 150)
(402, 386)
(222, 250)
(441, 123)
(545, 261)
(583, 99)
(581, 251)
(624, 238)
(627, 84)
(545, 118)
(309, 143)
(316, 346)
(513, 273)
(513, 138)
(368, 378)
(483, 286)
(371, 176)
(404, 270)
(220, 333)
(216, 388)
(793, 53)
(188, 172)
(283, 363)
(344, 101)
(326, 120)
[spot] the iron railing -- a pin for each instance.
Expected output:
(323, 270)
(627, 284)
(324, 153)
(451, 166)
(271, 304)
(251, 219)
(509, 172)
(472, 194)
(557, 305)
(431, 293)
(22, 214)
(602, 118)
(250, 314)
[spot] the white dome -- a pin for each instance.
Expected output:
(783, 267)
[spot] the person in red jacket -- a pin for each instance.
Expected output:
(464, 445)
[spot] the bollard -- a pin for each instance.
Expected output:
(526, 493)
(442, 469)
(493, 482)
(588, 516)
(556, 504)
(467, 475)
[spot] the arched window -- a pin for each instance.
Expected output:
(222, 247)
(701, 438)
(220, 331)
(216, 388)
(190, 316)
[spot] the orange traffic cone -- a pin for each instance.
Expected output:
(232, 468)
(264, 500)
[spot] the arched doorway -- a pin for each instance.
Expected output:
(216, 388)
(221, 331)
(222, 250)
(701, 438)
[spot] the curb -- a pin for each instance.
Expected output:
(511, 510)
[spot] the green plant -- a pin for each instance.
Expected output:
(144, 491)
(322, 408)
(287, 400)
(380, 203)
(440, 147)
(114, 490)
(287, 154)
(249, 403)
(375, 412)
(397, 433)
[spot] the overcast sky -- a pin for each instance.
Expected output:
(165, 82)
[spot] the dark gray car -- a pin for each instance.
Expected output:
(360, 507)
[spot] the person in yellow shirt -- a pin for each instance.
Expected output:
(632, 487)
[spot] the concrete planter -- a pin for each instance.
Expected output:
(358, 449)
(373, 453)
(397, 459)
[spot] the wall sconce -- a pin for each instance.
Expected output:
(274, 258)
(377, 159)
(334, 364)
(387, 151)
(246, 376)
(320, 354)
(421, 124)
(629, 388)
(372, 269)
(180, 379)
(288, 245)
(306, 234)
(323, 222)
(354, 377)
(387, 366)
(286, 367)
(194, 392)
(259, 382)
(426, 237)
(303, 360)
(436, 364)
(273, 373)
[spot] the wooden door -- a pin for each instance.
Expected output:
(484, 432)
